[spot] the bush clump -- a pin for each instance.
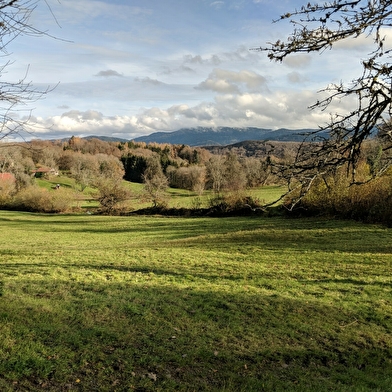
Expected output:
(36, 199)
(110, 195)
(7, 190)
(334, 195)
(235, 202)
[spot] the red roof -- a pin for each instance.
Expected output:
(7, 177)
(42, 170)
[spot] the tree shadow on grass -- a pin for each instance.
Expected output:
(185, 273)
(109, 336)
(272, 233)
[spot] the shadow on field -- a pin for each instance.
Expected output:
(188, 273)
(107, 336)
(349, 281)
(210, 234)
(297, 235)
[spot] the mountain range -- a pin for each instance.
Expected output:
(223, 136)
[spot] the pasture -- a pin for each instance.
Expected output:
(98, 303)
(176, 198)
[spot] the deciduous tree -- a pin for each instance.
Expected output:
(14, 22)
(155, 182)
(111, 193)
(318, 27)
(216, 173)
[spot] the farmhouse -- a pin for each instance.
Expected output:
(44, 171)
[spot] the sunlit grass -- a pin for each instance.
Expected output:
(161, 304)
(175, 198)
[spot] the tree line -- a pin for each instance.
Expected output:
(104, 165)
(226, 172)
(314, 174)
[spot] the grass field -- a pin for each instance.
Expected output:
(176, 198)
(95, 303)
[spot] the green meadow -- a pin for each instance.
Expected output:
(175, 198)
(135, 303)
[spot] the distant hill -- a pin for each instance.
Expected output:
(220, 136)
(258, 148)
(106, 138)
(223, 136)
(103, 138)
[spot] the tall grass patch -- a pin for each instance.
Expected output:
(335, 195)
(162, 304)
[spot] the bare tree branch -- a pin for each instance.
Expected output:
(318, 27)
(15, 21)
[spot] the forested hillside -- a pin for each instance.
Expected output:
(227, 173)
(103, 165)
(86, 159)
(222, 136)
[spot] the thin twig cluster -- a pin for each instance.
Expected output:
(318, 27)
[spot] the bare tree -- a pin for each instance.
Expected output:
(318, 27)
(111, 193)
(14, 22)
(155, 182)
(216, 173)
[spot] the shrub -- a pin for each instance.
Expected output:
(235, 202)
(370, 201)
(36, 199)
(155, 183)
(111, 193)
(7, 189)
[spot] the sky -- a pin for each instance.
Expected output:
(129, 68)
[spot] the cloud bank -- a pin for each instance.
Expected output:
(133, 69)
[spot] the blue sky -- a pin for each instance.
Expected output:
(128, 68)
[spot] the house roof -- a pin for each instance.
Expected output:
(42, 170)
(7, 176)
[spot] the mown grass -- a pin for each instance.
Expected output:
(175, 198)
(95, 303)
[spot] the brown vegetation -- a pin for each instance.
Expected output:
(369, 199)
(226, 172)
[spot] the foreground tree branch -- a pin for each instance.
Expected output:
(318, 27)
(15, 95)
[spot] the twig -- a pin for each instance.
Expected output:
(347, 325)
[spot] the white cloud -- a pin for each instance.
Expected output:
(362, 43)
(89, 115)
(266, 110)
(298, 61)
(223, 81)
(148, 81)
(108, 73)
(76, 11)
(296, 78)
(153, 66)
(217, 4)
(218, 85)
(199, 60)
